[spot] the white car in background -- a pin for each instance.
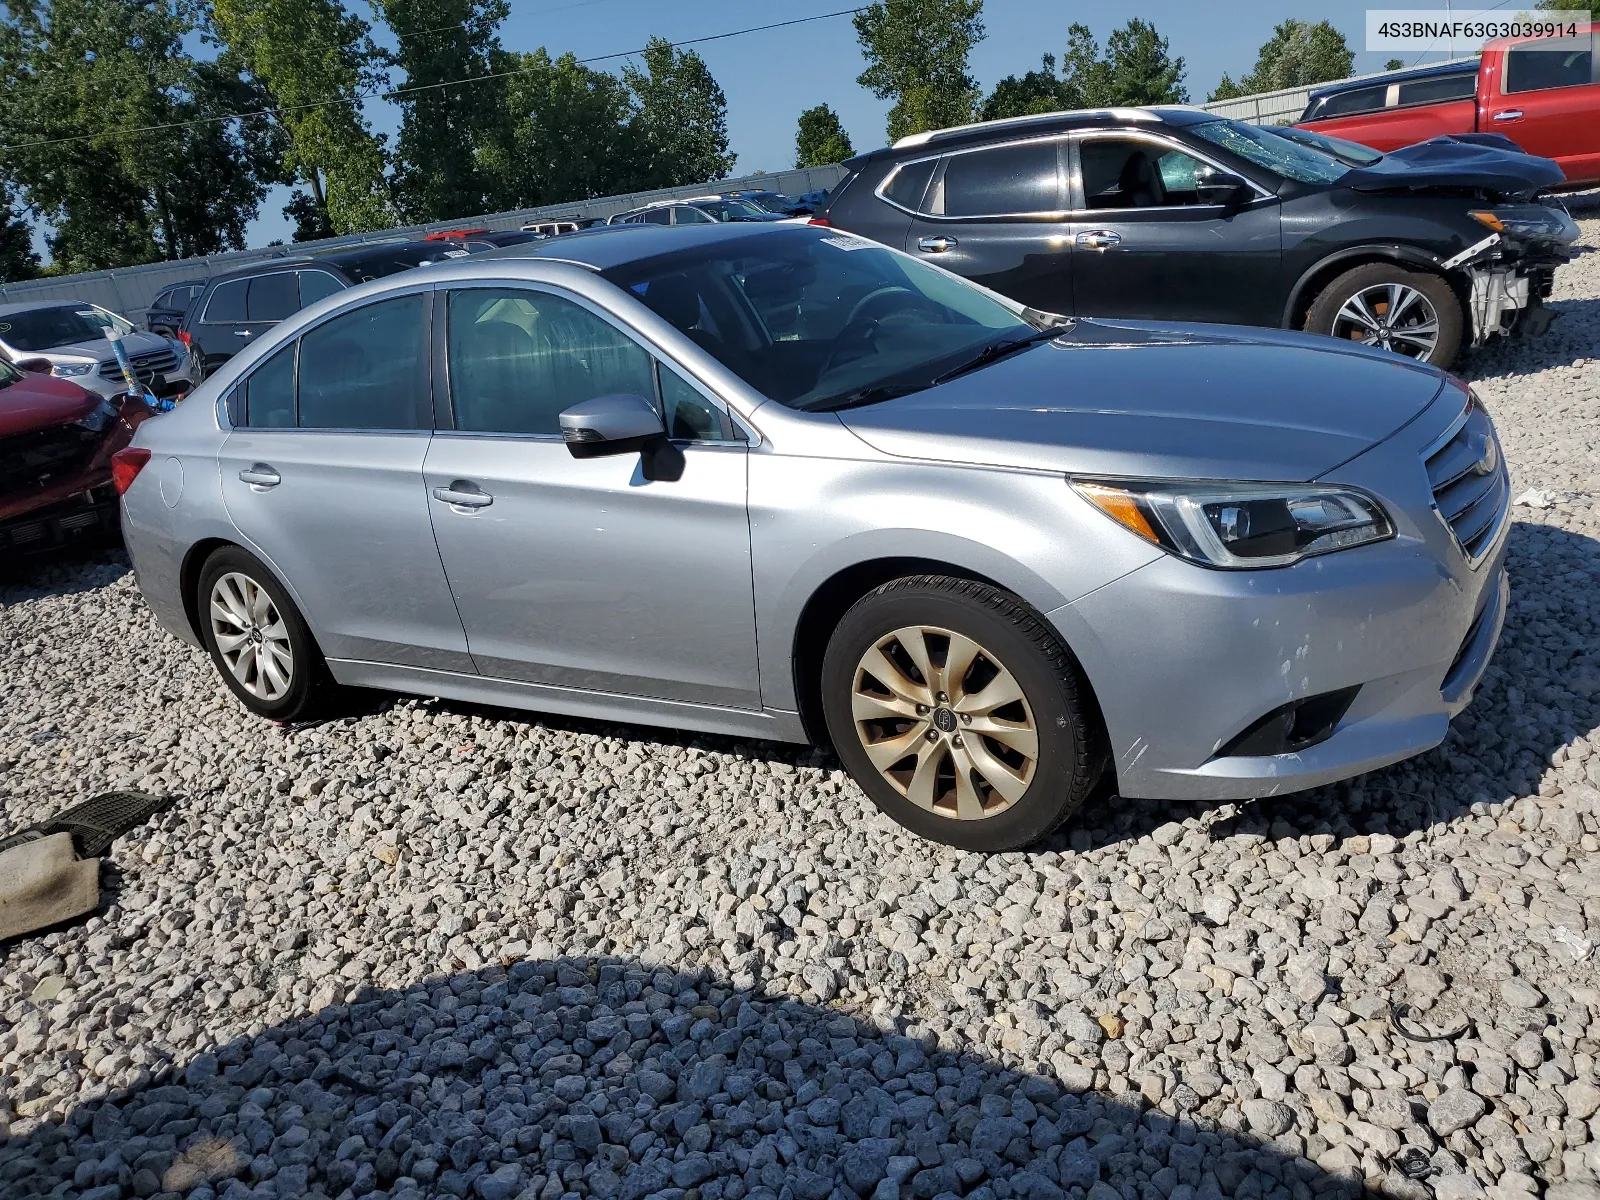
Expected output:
(72, 338)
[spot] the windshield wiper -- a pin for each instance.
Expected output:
(867, 395)
(995, 351)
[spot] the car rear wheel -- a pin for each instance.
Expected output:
(1413, 313)
(258, 639)
(959, 713)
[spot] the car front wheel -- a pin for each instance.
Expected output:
(258, 640)
(959, 713)
(1413, 313)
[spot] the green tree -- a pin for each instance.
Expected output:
(1086, 75)
(1135, 69)
(18, 260)
(1592, 7)
(1393, 64)
(1141, 69)
(819, 139)
(1297, 54)
(570, 135)
(1038, 91)
(78, 78)
(446, 126)
(680, 116)
(304, 52)
(916, 52)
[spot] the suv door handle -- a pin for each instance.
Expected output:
(936, 245)
(260, 475)
(1510, 114)
(1098, 239)
(241, 333)
(463, 493)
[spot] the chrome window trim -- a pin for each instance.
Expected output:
(205, 315)
(1181, 148)
(1047, 213)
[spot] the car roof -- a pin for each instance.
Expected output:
(1459, 67)
(340, 257)
(609, 246)
(1051, 122)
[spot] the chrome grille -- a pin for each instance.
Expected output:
(1471, 489)
(145, 366)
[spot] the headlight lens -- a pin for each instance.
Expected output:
(1241, 526)
(69, 369)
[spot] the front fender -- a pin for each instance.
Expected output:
(1394, 251)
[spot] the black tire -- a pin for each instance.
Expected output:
(310, 688)
(1011, 638)
(1323, 315)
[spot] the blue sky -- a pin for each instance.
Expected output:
(770, 77)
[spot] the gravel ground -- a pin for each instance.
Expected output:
(435, 950)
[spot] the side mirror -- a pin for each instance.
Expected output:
(616, 424)
(1220, 187)
(35, 366)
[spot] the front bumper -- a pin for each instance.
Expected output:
(1183, 659)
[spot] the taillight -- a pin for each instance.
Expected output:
(820, 221)
(126, 465)
(186, 338)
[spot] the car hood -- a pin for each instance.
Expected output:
(40, 401)
(1160, 401)
(99, 349)
(1485, 161)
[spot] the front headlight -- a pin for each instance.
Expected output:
(68, 370)
(1241, 526)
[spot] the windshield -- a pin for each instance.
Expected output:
(774, 202)
(811, 319)
(394, 261)
(1349, 153)
(731, 210)
(1277, 154)
(44, 328)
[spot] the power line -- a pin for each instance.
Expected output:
(397, 93)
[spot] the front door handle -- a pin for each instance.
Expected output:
(463, 493)
(244, 333)
(260, 475)
(936, 245)
(1098, 239)
(1510, 114)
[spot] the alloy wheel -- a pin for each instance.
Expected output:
(944, 722)
(251, 636)
(1394, 316)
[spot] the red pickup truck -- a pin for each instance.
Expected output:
(1542, 93)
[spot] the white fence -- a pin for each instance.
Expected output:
(129, 290)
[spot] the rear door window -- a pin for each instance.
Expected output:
(366, 369)
(1550, 63)
(1437, 91)
(227, 302)
(314, 285)
(1356, 100)
(1003, 181)
(272, 297)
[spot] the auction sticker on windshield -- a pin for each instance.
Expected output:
(845, 242)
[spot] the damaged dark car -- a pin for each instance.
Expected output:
(1175, 214)
(57, 478)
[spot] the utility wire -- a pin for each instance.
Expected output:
(399, 93)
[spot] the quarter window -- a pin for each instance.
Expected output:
(1553, 63)
(272, 297)
(1440, 89)
(269, 392)
(519, 358)
(227, 302)
(1023, 178)
(1356, 100)
(366, 369)
(906, 186)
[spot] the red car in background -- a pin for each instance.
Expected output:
(1543, 93)
(56, 443)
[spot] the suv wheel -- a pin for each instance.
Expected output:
(959, 713)
(258, 639)
(1414, 313)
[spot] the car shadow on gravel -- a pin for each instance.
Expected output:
(611, 1078)
(1570, 338)
(67, 571)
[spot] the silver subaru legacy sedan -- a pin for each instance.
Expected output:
(785, 483)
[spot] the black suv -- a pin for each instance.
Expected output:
(166, 311)
(1176, 214)
(240, 306)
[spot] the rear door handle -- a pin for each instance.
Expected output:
(260, 475)
(1510, 114)
(936, 245)
(241, 333)
(1098, 239)
(463, 493)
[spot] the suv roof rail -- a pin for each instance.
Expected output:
(1120, 114)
